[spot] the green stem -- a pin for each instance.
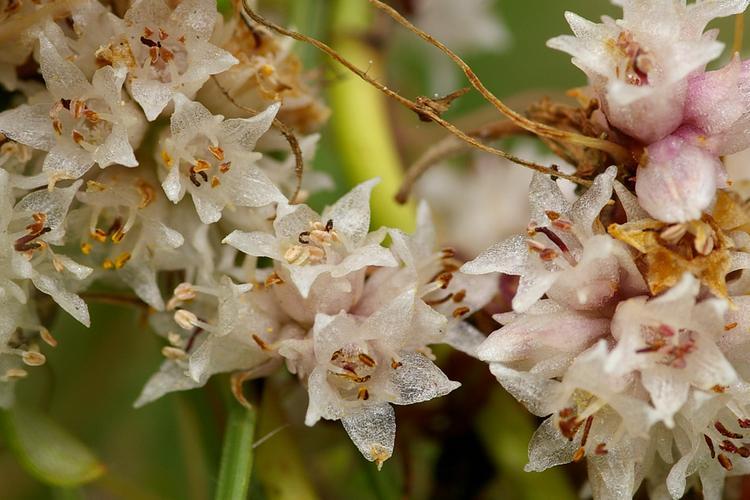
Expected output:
(237, 453)
(361, 124)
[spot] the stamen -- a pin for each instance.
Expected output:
(274, 279)
(460, 311)
(261, 343)
(33, 358)
(363, 394)
(726, 432)
(366, 360)
(725, 462)
(173, 353)
(47, 337)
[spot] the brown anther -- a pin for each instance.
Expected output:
(396, 364)
(163, 34)
(91, 116)
(725, 462)
(579, 454)
(601, 449)
(726, 432)
(363, 394)
(728, 446)
(548, 255)
(47, 337)
(201, 166)
(217, 152)
(744, 423)
(118, 236)
(366, 360)
(77, 136)
(329, 226)
(166, 158)
(181, 39)
(304, 237)
(261, 343)
(566, 412)
(108, 264)
(121, 260)
(710, 444)
(444, 279)
(166, 54)
(460, 311)
(145, 40)
(730, 326)
(459, 296)
(147, 32)
(447, 253)
(552, 215)
(147, 192)
(78, 108)
(215, 182)
(224, 167)
(743, 451)
(99, 235)
(273, 279)
(720, 389)
(57, 125)
(65, 103)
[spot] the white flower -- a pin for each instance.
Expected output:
(214, 328)
(28, 231)
(593, 414)
(361, 365)
(671, 342)
(121, 230)
(213, 160)
(562, 255)
(85, 122)
(639, 65)
(334, 246)
(170, 51)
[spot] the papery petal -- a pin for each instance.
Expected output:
(373, 430)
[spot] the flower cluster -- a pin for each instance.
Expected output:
(98, 155)
(629, 321)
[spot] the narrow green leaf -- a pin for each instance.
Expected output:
(237, 453)
(46, 450)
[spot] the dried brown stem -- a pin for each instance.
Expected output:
(299, 161)
(422, 110)
(619, 153)
(449, 147)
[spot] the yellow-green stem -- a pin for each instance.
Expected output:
(360, 121)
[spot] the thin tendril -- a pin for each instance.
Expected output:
(619, 153)
(422, 110)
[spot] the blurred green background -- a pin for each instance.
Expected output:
(470, 444)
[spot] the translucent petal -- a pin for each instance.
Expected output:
(508, 256)
(243, 133)
(373, 431)
(29, 125)
(63, 79)
(418, 379)
(70, 302)
(171, 377)
(351, 213)
(257, 244)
